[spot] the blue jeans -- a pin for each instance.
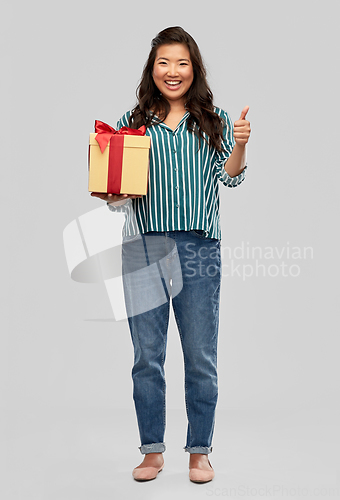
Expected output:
(186, 266)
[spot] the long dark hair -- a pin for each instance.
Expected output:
(199, 98)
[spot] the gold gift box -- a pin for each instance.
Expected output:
(126, 157)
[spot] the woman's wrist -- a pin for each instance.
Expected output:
(117, 203)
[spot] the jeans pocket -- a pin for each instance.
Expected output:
(127, 239)
(200, 233)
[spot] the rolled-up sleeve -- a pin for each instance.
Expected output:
(118, 209)
(221, 157)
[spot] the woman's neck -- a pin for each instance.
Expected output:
(177, 107)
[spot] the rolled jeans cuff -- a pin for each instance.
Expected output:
(204, 450)
(152, 448)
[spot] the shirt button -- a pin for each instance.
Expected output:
(176, 169)
(176, 187)
(177, 206)
(174, 150)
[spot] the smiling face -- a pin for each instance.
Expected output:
(173, 72)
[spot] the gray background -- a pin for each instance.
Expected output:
(69, 429)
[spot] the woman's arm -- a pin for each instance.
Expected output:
(237, 160)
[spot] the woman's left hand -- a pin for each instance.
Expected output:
(242, 128)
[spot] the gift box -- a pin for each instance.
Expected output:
(118, 160)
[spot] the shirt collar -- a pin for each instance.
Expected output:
(184, 118)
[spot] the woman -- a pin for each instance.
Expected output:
(194, 146)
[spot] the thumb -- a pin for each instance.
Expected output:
(244, 112)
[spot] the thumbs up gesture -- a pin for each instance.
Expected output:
(242, 128)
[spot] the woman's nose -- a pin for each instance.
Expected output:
(172, 71)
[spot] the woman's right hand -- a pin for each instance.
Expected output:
(115, 197)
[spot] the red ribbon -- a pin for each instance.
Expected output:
(105, 132)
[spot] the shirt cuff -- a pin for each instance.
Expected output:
(232, 181)
(117, 206)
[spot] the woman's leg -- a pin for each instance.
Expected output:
(149, 336)
(144, 288)
(196, 310)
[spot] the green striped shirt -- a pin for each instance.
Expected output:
(183, 189)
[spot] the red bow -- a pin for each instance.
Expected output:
(105, 132)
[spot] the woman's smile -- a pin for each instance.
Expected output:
(173, 85)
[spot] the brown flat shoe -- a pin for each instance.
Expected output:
(146, 473)
(201, 476)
